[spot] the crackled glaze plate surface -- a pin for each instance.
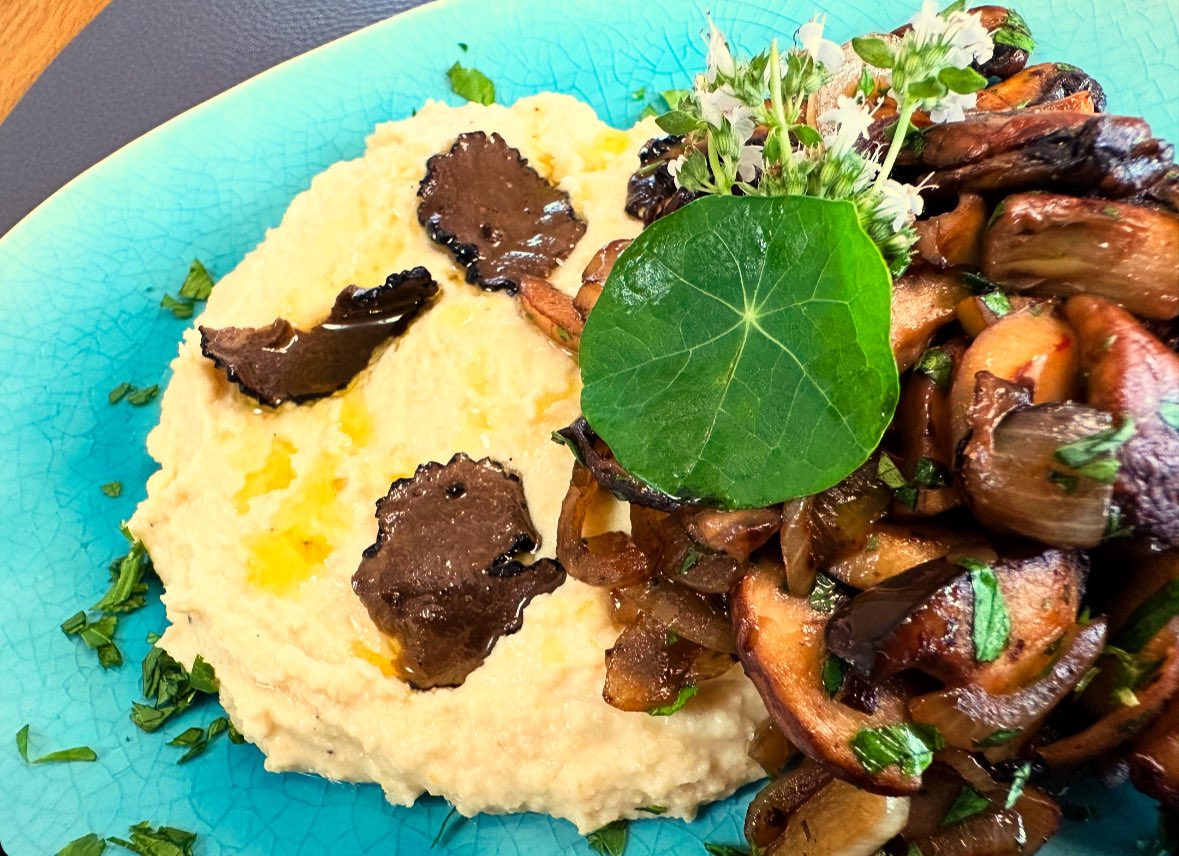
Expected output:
(80, 283)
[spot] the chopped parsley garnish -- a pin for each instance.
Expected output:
(197, 286)
(680, 700)
(977, 281)
(824, 597)
(653, 809)
(992, 623)
(1015, 33)
(1149, 618)
(968, 803)
(1131, 672)
(1017, 783)
(88, 845)
(691, 558)
(113, 489)
(909, 746)
(726, 850)
(937, 364)
(143, 395)
(472, 84)
(1114, 526)
(128, 588)
(61, 756)
(671, 638)
(162, 841)
(834, 673)
(169, 688)
(1093, 456)
(116, 395)
(98, 635)
(892, 477)
(997, 302)
(997, 738)
(610, 840)
(929, 473)
(197, 739)
(1067, 484)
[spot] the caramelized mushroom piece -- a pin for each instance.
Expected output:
(893, 548)
(843, 516)
(1000, 723)
(979, 311)
(593, 453)
(552, 311)
(923, 619)
(1008, 30)
(770, 748)
(1063, 245)
(1012, 477)
(1038, 351)
(444, 578)
(498, 216)
(594, 277)
(651, 191)
(1154, 759)
(610, 559)
(924, 441)
(781, 646)
(282, 363)
(687, 613)
(808, 813)
(922, 302)
(797, 551)
(1122, 716)
(1133, 375)
(1037, 84)
(677, 557)
(734, 533)
(649, 667)
(954, 239)
(1115, 156)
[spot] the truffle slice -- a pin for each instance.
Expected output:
(445, 578)
(500, 218)
(280, 363)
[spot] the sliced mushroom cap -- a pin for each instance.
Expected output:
(734, 533)
(498, 216)
(280, 363)
(1154, 759)
(1000, 723)
(594, 277)
(781, 646)
(1062, 245)
(1028, 150)
(954, 239)
(610, 559)
(922, 302)
(924, 619)
(649, 667)
(651, 191)
(1132, 374)
(894, 548)
(552, 311)
(1037, 84)
(1038, 351)
(446, 578)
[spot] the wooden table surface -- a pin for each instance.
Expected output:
(33, 33)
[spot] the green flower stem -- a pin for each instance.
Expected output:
(723, 185)
(776, 86)
(898, 140)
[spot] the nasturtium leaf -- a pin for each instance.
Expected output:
(739, 354)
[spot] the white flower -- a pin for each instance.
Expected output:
(723, 103)
(852, 120)
(969, 39)
(952, 106)
(751, 161)
(928, 25)
(673, 168)
(823, 51)
(900, 202)
(720, 58)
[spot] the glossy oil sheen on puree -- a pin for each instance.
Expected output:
(257, 518)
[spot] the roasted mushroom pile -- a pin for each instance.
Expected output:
(989, 605)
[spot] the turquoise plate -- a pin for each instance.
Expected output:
(80, 283)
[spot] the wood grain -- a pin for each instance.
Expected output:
(32, 33)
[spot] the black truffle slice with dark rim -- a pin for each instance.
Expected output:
(446, 577)
(280, 363)
(500, 218)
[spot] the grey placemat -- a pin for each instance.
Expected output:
(141, 62)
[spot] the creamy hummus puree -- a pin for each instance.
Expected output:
(257, 518)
